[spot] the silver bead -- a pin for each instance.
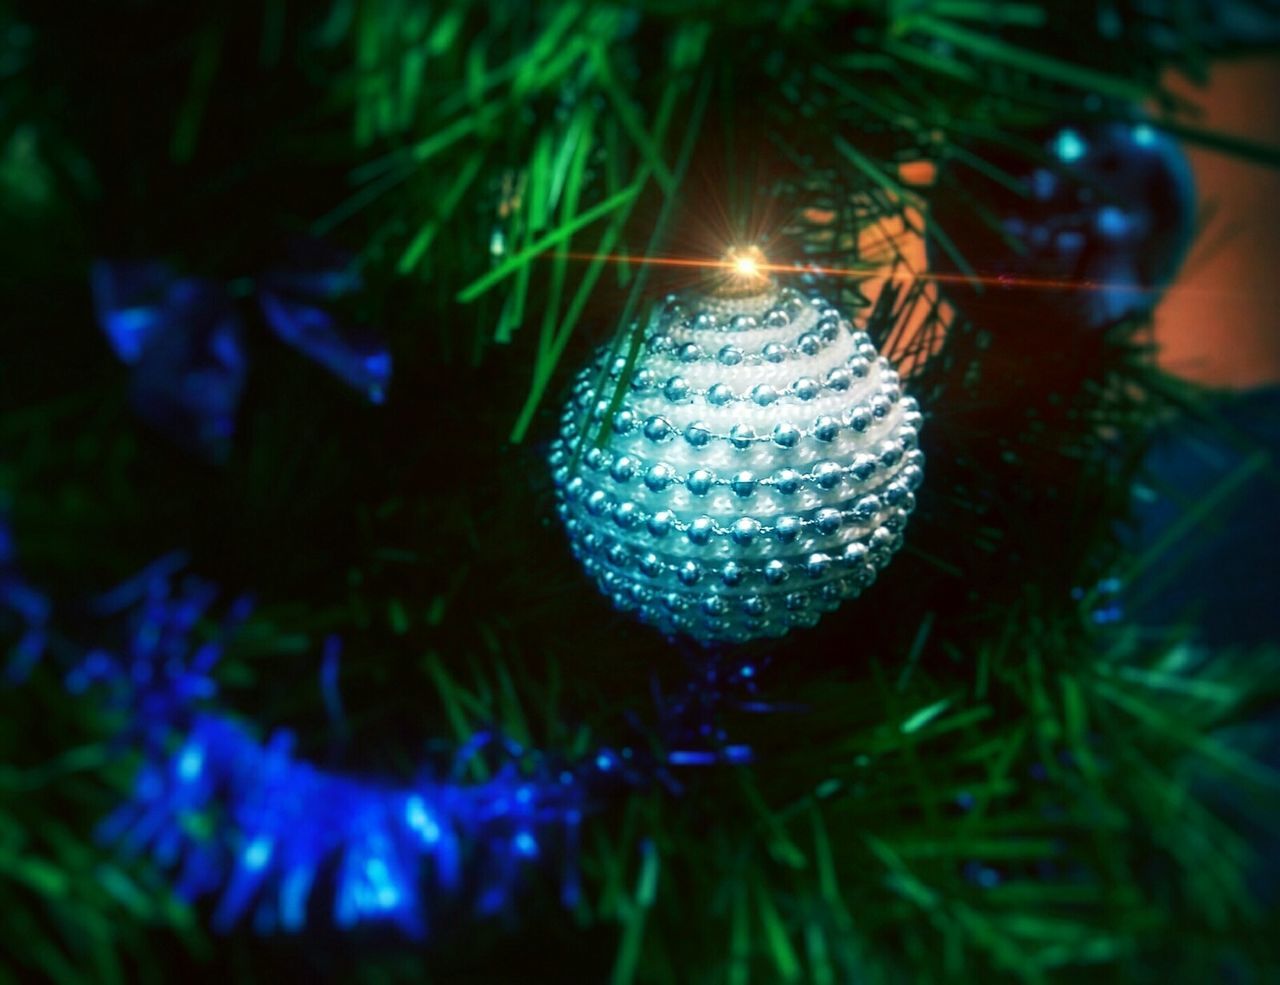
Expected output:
(828, 520)
(657, 429)
(744, 484)
(676, 389)
(704, 321)
(809, 344)
(700, 530)
(624, 422)
(839, 379)
(713, 605)
(827, 474)
(661, 343)
(743, 323)
(775, 572)
(697, 433)
(826, 428)
(754, 605)
(785, 435)
(623, 469)
(699, 482)
(597, 502)
(776, 318)
(763, 394)
(786, 481)
(860, 419)
(787, 528)
(644, 380)
(651, 565)
(817, 565)
(863, 467)
(689, 573)
(744, 530)
(774, 352)
(742, 435)
(855, 552)
(731, 573)
(806, 388)
(659, 476)
(729, 355)
(660, 524)
(879, 407)
(690, 352)
(866, 508)
(719, 394)
(626, 515)
(890, 453)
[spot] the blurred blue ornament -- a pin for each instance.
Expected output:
(132, 302)
(1082, 235)
(292, 297)
(189, 379)
(184, 340)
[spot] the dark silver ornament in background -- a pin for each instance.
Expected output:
(1080, 230)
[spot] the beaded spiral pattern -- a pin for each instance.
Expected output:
(759, 469)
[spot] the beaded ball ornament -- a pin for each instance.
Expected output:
(759, 469)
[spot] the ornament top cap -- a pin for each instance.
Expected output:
(744, 273)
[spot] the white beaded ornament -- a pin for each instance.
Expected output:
(759, 468)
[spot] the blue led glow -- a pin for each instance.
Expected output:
(190, 763)
(257, 854)
(1144, 135)
(419, 819)
(1112, 221)
(1069, 146)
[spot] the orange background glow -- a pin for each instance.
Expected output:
(1220, 321)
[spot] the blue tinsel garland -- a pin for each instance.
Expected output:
(242, 819)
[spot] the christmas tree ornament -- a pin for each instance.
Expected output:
(185, 342)
(297, 300)
(757, 467)
(1083, 235)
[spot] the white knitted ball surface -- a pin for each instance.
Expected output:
(759, 468)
